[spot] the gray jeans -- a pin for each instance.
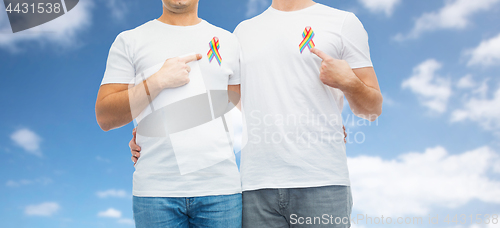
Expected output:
(328, 206)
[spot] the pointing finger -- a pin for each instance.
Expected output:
(320, 53)
(191, 58)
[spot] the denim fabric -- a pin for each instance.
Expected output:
(328, 206)
(188, 212)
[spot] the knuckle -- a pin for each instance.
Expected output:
(323, 78)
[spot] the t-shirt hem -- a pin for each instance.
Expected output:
(234, 83)
(344, 182)
(185, 194)
(117, 81)
(361, 65)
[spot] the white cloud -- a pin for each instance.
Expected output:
(482, 90)
(482, 110)
(432, 90)
(466, 82)
(28, 140)
(112, 193)
(388, 100)
(118, 9)
(414, 183)
(486, 54)
(61, 31)
(490, 225)
(455, 14)
(44, 209)
(256, 6)
(380, 6)
(19, 183)
(101, 159)
(113, 213)
(126, 221)
(110, 213)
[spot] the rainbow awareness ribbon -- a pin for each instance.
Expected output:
(214, 50)
(308, 36)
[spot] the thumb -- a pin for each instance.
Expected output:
(320, 54)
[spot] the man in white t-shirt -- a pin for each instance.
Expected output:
(299, 60)
(187, 175)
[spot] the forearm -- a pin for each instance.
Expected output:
(234, 94)
(365, 101)
(359, 85)
(118, 104)
(120, 108)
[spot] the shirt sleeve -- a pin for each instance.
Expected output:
(119, 68)
(355, 49)
(235, 78)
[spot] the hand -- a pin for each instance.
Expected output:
(134, 148)
(334, 73)
(174, 72)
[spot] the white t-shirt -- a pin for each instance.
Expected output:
(293, 129)
(188, 161)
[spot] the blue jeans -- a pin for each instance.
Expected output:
(327, 206)
(188, 212)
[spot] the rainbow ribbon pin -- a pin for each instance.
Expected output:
(308, 36)
(214, 50)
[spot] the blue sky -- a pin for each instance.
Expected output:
(433, 151)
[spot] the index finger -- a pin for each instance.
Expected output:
(320, 53)
(191, 58)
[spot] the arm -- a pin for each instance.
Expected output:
(117, 104)
(234, 93)
(363, 94)
(360, 86)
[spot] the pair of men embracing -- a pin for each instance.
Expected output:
(293, 65)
